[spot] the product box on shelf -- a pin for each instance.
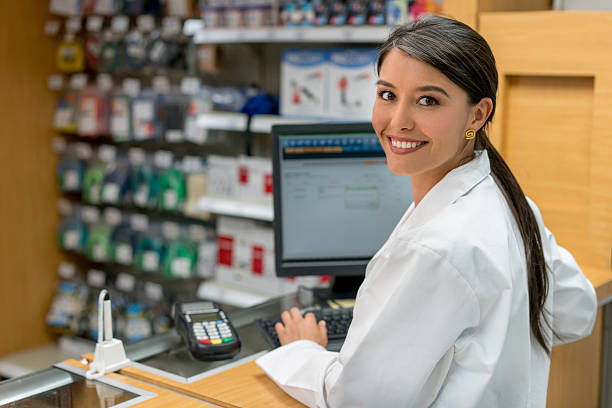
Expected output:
(304, 74)
(352, 83)
(222, 177)
(255, 180)
(246, 256)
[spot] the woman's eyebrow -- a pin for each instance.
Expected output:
(385, 83)
(424, 88)
(434, 88)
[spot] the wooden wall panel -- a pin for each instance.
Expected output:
(28, 255)
(551, 157)
(555, 95)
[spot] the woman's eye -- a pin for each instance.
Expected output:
(427, 101)
(385, 95)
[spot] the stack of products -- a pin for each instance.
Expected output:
(169, 249)
(328, 83)
(140, 308)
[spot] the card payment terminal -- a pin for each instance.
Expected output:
(206, 330)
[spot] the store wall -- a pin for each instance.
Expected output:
(28, 254)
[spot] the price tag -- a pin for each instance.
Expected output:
(96, 278)
(104, 82)
(131, 86)
(170, 199)
(154, 291)
(83, 151)
(139, 222)
(73, 24)
(94, 24)
(174, 135)
(90, 214)
(55, 82)
(64, 207)
(161, 84)
(66, 270)
(171, 26)
(190, 85)
(136, 155)
(112, 216)
(71, 239)
(110, 193)
(125, 282)
(124, 254)
(181, 267)
(192, 164)
(197, 233)
(58, 145)
(120, 24)
(170, 230)
(150, 261)
(99, 253)
(163, 159)
(107, 153)
(52, 28)
(71, 180)
(78, 81)
(192, 26)
(145, 23)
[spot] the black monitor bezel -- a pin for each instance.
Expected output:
(333, 267)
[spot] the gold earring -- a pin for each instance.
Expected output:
(470, 134)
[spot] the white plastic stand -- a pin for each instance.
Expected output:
(109, 355)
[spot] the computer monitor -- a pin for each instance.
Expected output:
(335, 199)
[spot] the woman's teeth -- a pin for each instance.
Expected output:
(405, 145)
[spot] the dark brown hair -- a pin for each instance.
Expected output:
(465, 58)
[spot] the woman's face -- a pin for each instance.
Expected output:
(420, 117)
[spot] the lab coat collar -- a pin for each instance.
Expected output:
(453, 185)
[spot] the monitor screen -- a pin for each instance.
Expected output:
(335, 200)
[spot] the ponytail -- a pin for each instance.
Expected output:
(537, 278)
(464, 57)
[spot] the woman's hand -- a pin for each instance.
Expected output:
(295, 327)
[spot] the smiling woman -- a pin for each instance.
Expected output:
(459, 305)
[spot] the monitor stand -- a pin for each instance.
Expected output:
(344, 287)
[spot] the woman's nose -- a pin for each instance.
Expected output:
(403, 117)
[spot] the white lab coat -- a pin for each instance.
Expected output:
(442, 317)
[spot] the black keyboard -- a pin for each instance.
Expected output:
(337, 321)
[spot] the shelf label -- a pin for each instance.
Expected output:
(139, 222)
(90, 214)
(190, 85)
(163, 159)
(145, 23)
(124, 254)
(94, 24)
(161, 84)
(170, 230)
(120, 24)
(136, 155)
(104, 82)
(96, 278)
(125, 282)
(78, 81)
(107, 153)
(66, 270)
(52, 28)
(112, 215)
(73, 24)
(171, 26)
(83, 151)
(131, 86)
(154, 291)
(55, 82)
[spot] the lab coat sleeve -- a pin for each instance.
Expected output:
(574, 299)
(400, 344)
